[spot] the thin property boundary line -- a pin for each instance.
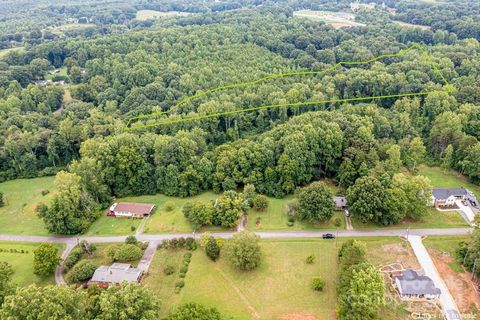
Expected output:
(281, 75)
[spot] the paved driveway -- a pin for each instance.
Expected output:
(466, 211)
(446, 299)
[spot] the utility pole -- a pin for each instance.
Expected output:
(408, 232)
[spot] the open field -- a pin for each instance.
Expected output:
(61, 72)
(335, 19)
(152, 14)
(22, 263)
(433, 219)
(410, 25)
(441, 178)
(458, 281)
(72, 26)
(22, 196)
(278, 289)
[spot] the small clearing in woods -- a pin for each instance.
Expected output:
(459, 283)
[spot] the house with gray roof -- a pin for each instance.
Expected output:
(447, 196)
(115, 274)
(340, 202)
(411, 285)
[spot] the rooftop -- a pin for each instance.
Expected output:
(412, 283)
(134, 208)
(444, 193)
(116, 273)
(340, 201)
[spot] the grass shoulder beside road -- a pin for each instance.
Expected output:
(22, 263)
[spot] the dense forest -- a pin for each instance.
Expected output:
(77, 128)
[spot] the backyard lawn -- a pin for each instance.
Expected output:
(22, 196)
(447, 179)
(22, 263)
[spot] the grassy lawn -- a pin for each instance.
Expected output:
(447, 179)
(22, 263)
(152, 14)
(99, 256)
(278, 289)
(275, 218)
(62, 72)
(21, 197)
(108, 226)
(433, 219)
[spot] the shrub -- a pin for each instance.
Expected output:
(81, 271)
(184, 269)
(128, 252)
(181, 242)
(131, 240)
(1, 200)
(187, 255)
(182, 275)
(74, 256)
(173, 244)
(192, 311)
(337, 222)
(180, 284)
(169, 206)
(318, 284)
(168, 270)
(143, 245)
(260, 202)
(44, 192)
(177, 289)
(187, 259)
(310, 259)
(212, 249)
(132, 228)
(290, 223)
(191, 244)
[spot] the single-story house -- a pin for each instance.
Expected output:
(115, 274)
(340, 202)
(129, 209)
(411, 285)
(448, 196)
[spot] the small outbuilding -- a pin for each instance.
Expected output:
(411, 285)
(115, 274)
(130, 210)
(340, 202)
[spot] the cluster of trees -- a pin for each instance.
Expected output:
(224, 211)
(360, 285)
(468, 252)
(46, 259)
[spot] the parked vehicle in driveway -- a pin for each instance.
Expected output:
(328, 236)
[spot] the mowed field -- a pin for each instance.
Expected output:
(278, 289)
(335, 19)
(152, 14)
(21, 197)
(22, 263)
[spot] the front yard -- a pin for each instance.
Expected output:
(22, 263)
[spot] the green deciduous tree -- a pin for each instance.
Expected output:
(260, 202)
(212, 249)
(46, 259)
(6, 287)
(315, 203)
(243, 251)
(195, 311)
(82, 271)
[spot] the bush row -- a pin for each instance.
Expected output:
(187, 257)
(179, 243)
(13, 250)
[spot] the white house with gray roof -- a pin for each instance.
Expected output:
(411, 285)
(447, 196)
(115, 274)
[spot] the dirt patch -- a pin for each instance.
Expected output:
(459, 284)
(299, 316)
(394, 253)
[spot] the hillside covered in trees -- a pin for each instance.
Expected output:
(129, 68)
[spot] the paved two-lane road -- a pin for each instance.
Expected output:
(264, 235)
